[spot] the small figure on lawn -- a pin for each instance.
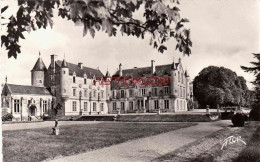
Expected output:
(55, 129)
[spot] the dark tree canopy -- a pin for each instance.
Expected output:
(220, 86)
(255, 69)
(162, 20)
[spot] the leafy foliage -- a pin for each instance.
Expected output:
(220, 86)
(162, 20)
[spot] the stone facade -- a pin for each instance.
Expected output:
(80, 90)
(135, 98)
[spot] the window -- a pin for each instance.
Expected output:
(114, 93)
(40, 81)
(180, 92)
(44, 106)
(183, 92)
(74, 106)
(102, 94)
(122, 106)
(114, 105)
(85, 81)
(166, 90)
(102, 107)
(85, 106)
(94, 94)
(156, 104)
(179, 76)
(166, 104)
(131, 106)
(143, 92)
(74, 92)
(64, 72)
(85, 93)
(16, 106)
(155, 91)
(122, 93)
(74, 79)
(130, 93)
(94, 106)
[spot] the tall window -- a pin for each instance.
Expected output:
(166, 104)
(85, 81)
(156, 104)
(114, 105)
(143, 92)
(16, 106)
(94, 106)
(74, 79)
(179, 76)
(102, 107)
(131, 106)
(44, 106)
(102, 94)
(166, 90)
(130, 93)
(155, 91)
(114, 93)
(122, 93)
(85, 93)
(95, 93)
(183, 92)
(122, 106)
(74, 92)
(74, 106)
(85, 106)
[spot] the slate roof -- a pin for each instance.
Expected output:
(90, 72)
(23, 89)
(160, 70)
(39, 65)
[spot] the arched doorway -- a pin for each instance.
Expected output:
(32, 110)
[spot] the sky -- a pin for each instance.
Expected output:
(224, 33)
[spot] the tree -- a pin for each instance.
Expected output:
(220, 86)
(161, 20)
(255, 112)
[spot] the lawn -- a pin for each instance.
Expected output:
(209, 147)
(39, 144)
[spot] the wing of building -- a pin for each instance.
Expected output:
(148, 89)
(73, 89)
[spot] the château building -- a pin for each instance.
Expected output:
(80, 90)
(171, 95)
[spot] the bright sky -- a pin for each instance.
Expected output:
(224, 33)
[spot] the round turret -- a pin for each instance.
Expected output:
(64, 79)
(38, 73)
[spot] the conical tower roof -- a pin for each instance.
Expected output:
(39, 65)
(108, 74)
(64, 64)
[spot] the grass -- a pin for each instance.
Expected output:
(208, 149)
(252, 151)
(38, 144)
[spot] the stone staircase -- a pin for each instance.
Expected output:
(36, 118)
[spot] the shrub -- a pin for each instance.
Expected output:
(238, 120)
(249, 154)
(7, 117)
(255, 112)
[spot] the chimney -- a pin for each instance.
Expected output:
(53, 60)
(120, 70)
(153, 66)
(80, 65)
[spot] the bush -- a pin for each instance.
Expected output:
(250, 154)
(238, 120)
(255, 112)
(7, 117)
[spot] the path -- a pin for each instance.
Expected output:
(146, 149)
